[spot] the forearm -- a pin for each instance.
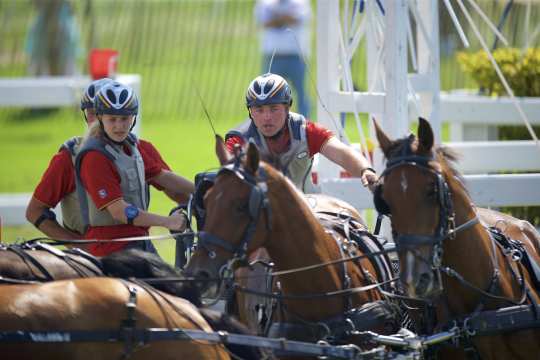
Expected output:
(117, 210)
(54, 230)
(51, 228)
(178, 197)
(176, 187)
(354, 163)
(346, 157)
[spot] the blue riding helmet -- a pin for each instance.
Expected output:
(268, 89)
(115, 98)
(87, 100)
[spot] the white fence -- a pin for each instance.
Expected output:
(469, 115)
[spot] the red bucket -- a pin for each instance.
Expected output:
(103, 63)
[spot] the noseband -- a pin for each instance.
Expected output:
(258, 202)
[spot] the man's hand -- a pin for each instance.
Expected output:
(369, 178)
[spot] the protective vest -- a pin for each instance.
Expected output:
(132, 179)
(295, 163)
(71, 214)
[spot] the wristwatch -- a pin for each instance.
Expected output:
(131, 213)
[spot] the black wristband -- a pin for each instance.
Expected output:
(368, 168)
(47, 214)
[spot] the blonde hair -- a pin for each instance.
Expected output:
(94, 131)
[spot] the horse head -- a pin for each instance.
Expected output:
(237, 216)
(414, 192)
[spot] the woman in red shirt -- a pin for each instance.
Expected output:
(114, 172)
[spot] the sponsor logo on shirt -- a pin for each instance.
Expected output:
(102, 193)
(302, 155)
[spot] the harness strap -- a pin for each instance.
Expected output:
(127, 329)
(26, 257)
(508, 319)
(351, 352)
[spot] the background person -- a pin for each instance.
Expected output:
(286, 32)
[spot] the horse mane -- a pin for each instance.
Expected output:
(447, 157)
(135, 263)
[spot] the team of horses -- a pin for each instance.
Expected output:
(294, 266)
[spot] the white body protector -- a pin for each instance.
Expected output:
(295, 163)
(131, 171)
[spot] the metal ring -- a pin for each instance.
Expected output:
(351, 324)
(467, 329)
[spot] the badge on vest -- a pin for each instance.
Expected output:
(302, 155)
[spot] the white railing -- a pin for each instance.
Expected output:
(470, 116)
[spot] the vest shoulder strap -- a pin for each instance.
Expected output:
(71, 144)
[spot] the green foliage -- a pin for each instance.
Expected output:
(521, 70)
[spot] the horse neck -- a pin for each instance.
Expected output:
(297, 240)
(469, 253)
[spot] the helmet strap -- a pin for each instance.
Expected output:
(134, 122)
(84, 114)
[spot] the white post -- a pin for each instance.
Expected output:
(396, 119)
(428, 61)
(327, 74)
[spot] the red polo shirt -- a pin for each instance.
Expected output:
(316, 135)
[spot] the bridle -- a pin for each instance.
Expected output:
(258, 202)
(446, 228)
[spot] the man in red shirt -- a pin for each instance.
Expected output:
(113, 171)
(291, 139)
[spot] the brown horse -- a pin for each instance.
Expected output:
(252, 205)
(254, 310)
(444, 247)
(99, 304)
(35, 262)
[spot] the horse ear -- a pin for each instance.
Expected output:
(425, 136)
(223, 155)
(382, 138)
(252, 159)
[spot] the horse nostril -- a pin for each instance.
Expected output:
(423, 283)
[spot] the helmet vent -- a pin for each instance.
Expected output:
(268, 86)
(111, 96)
(257, 87)
(123, 96)
(91, 91)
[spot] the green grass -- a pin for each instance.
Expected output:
(179, 48)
